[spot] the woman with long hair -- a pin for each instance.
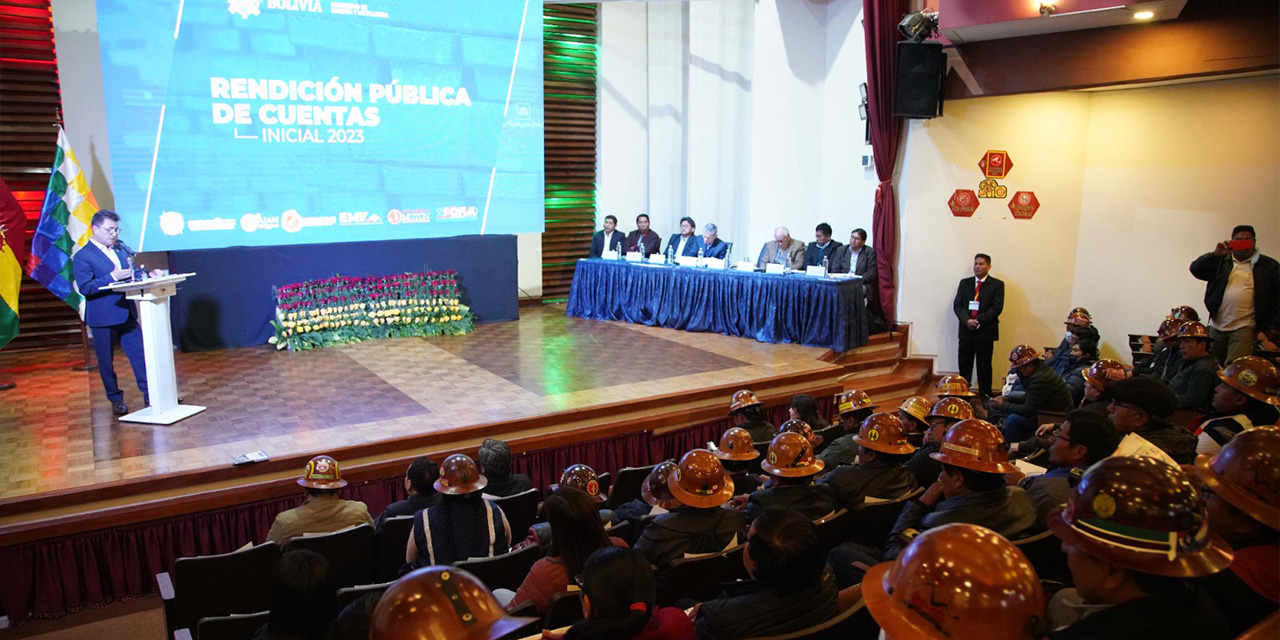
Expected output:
(576, 532)
(618, 597)
(804, 407)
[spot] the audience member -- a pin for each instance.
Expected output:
(701, 525)
(792, 467)
(1246, 398)
(736, 451)
(822, 248)
(1082, 439)
(971, 488)
(494, 460)
(609, 239)
(945, 413)
(1079, 327)
(353, 621)
(441, 602)
(955, 386)
(1139, 409)
(788, 590)
(684, 243)
(745, 408)
(783, 250)
(801, 427)
(1136, 536)
(464, 525)
(1242, 294)
(710, 244)
(804, 407)
(854, 406)
(303, 598)
(582, 478)
(978, 304)
(1198, 374)
(957, 582)
(1242, 488)
(655, 496)
(1044, 391)
(576, 532)
(1164, 365)
(879, 473)
(418, 481)
(619, 596)
(643, 239)
(1184, 313)
(1084, 353)
(323, 511)
(914, 414)
(1096, 378)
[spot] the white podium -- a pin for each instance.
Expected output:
(153, 296)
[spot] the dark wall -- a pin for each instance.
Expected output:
(229, 302)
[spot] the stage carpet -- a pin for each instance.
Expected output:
(57, 431)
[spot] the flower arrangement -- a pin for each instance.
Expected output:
(342, 310)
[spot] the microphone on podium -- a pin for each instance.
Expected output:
(121, 245)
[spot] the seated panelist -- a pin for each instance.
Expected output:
(783, 250)
(643, 238)
(610, 239)
(823, 246)
(710, 245)
(684, 243)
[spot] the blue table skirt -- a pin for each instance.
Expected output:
(795, 308)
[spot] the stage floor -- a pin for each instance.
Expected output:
(57, 431)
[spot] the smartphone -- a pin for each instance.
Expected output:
(1240, 245)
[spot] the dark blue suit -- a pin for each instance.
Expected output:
(717, 250)
(690, 247)
(813, 254)
(111, 316)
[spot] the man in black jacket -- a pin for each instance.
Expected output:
(978, 304)
(494, 460)
(1198, 373)
(788, 590)
(610, 239)
(418, 483)
(882, 450)
(1242, 294)
(701, 525)
(822, 248)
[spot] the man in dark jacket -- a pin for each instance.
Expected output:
(610, 239)
(417, 482)
(702, 525)
(882, 450)
(1242, 294)
(1140, 408)
(1198, 374)
(1083, 438)
(788, 590)
(855, 406)
(745, 408)
(978, 303)
(823, 247)
(792, 467)
(1246, 398)
(494, 460)
(643, 238)
(1045, 391)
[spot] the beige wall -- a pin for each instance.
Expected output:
(1133, 185)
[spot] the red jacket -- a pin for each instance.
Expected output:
(545, 579)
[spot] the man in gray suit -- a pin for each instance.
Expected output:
(784, 250)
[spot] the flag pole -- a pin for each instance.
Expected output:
(84, 344)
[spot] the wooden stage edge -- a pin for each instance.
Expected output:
(40, 516)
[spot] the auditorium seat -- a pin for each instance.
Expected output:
(521, 510)
(834, 529)
(347, 595)
(1050, 417)
(198, 587)
(627, 488)
(349, 552)
(391, 544)
(855, 623)
(621, 531)
(506, 571)
(233, 627)
(701, 578)
(1044, 551)
(828, 434)
(564, 610)
(606, 482)
(526, 610)
(872, 521)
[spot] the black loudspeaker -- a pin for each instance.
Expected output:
(917, 91)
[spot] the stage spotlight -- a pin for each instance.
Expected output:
(1144, 15)
(918, 27)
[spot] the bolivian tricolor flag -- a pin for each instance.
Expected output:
(13, 229)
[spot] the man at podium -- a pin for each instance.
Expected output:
(109, 315)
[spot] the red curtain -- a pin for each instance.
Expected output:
(880, 21)
(53, 577)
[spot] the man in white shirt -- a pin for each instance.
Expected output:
(1242, 294)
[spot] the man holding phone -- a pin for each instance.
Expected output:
(1243, 294)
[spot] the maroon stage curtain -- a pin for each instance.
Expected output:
(880, 22)
(57, 576)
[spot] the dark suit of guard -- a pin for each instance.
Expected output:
(111, 317)
(616, 240)
(813, 254)
(979, 343)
